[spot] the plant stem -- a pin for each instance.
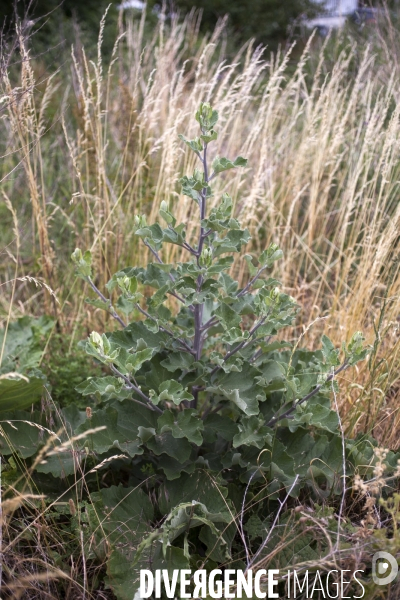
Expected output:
(180, 340)
(241, 345)
(108, 301)
(148, 403)
(250, 283)
(198, 309)
(210, 323)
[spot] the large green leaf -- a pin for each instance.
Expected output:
(223, 164)
(227, 316)
(232, 242)
(165, 443)
(218, 547)
(23, 348)
(186, 516)
(64, 463)
(178, 360)
(252, 432)
(18, 392)
(116, 432)
(23, 433)
(107, 387)
(316, 412)
(122, 579)
(60, 464)
(215, 425)
(135, 334)
(199, 487)
(242, 389)
(171, 390)
(174, 467)
(184, 424)
(174, 559)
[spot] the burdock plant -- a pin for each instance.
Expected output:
(203, 398)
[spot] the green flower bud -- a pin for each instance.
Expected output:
(96, 341)
(140, 221)
(275, 293)
(83, 262)
(356, 343)
(77, 255)
(205, 259)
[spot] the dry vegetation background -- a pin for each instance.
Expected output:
(88, 146)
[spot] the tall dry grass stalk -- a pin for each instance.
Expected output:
(25, 121)
(322, 140)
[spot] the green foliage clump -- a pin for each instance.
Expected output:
(205, 404)
(207, 422)
(65, 368)
(21, 350)
(28, 364)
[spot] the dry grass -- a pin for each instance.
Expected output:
(87, 147)
(44, 553)
(85, 150)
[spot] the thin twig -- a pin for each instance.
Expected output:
(210, 323)
(315, 391)
(250, 283)
(153, 251)
(190, 248)
(148, 403)
(265, 542)
(241, 528)
(180, 340)
(241, 345)
(260, 350)
(107, 301)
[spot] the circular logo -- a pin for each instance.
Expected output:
(384, 568)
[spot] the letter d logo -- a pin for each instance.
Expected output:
(385, 564)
